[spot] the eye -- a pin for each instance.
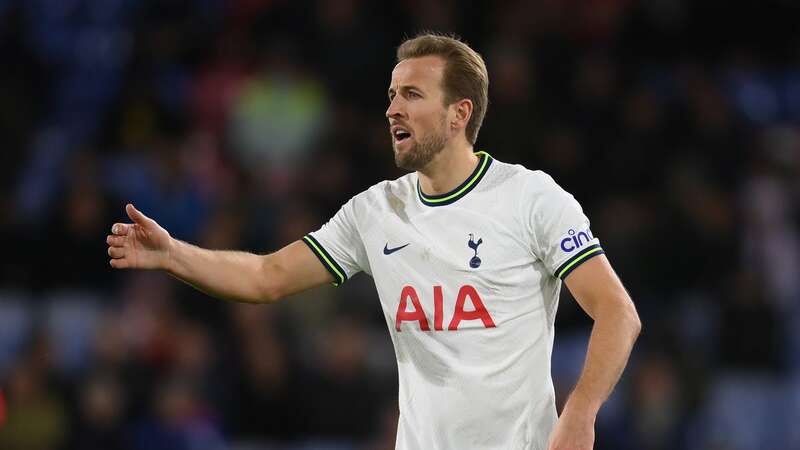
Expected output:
(414, 94)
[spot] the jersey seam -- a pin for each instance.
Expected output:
(535, 239)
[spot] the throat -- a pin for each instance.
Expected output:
(443, 175)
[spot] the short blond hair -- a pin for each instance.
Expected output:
(465, 74)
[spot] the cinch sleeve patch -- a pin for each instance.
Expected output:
(578, 259)
(326, 259)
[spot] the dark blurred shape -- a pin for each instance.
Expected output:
(268, 406)
(101, 423)
(37, 417)
(181, 420)
(756, 346)
(660, 401)
(339, 399)
(2, 408)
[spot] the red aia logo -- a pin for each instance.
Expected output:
(418, 313)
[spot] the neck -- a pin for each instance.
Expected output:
(448, 169)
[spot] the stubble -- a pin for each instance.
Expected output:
(423, 151)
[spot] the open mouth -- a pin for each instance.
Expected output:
(400, 135)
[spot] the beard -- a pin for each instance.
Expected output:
(421, 152)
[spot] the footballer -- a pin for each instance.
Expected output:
(468, 255)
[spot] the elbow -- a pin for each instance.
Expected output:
(269, 294)
(271, 291)
(634, 321)
(270, 288)
(621, 314)
(625, 317)
(637, 327)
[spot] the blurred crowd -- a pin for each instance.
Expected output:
(244, 124)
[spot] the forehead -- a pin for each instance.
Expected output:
(423, 72)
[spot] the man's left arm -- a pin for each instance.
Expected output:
(600, 293)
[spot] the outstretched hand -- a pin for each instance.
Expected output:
(143, 244)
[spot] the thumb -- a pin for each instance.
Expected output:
(136, 215)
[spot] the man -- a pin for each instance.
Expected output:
(467, 253)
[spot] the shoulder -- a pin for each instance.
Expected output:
(540, 182)
(538, 196)
(524, 180)
(382, 191)
(385, 195)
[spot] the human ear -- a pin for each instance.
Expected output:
(462, 113)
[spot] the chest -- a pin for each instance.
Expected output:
(451, 270)
(462, 245)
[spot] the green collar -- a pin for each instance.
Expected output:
(449, 197)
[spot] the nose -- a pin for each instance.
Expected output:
(395, 108)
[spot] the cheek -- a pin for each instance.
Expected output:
(429, 120)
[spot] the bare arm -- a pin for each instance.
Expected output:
(616, 325)
(230, 275)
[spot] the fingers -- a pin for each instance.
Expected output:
(116, 252)
(121, 229)
(119, 235)
(137, 215)
(115, 241)
(119, 263)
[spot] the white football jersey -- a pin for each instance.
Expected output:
(469, 283)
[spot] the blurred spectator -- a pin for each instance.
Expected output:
(181, 420)
(2, 408)
(37, 416)
(339, 401)
(268, 409)
(278, 113)
(756, 346)
(659, 398)
(101, 416)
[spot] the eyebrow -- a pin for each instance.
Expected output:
(404, 88)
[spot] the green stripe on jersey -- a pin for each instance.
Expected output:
(578, 260)
(327, 262)
(463, 189)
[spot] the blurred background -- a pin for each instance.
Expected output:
(244, 124)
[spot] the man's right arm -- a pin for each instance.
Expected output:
(229, 275)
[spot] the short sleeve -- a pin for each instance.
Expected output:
(338, 244)
(559, 231)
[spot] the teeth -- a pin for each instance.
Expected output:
(400, 134)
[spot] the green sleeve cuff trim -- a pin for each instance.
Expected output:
(572, 263)
(326, 259)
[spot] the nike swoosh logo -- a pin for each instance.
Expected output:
(389, 251)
